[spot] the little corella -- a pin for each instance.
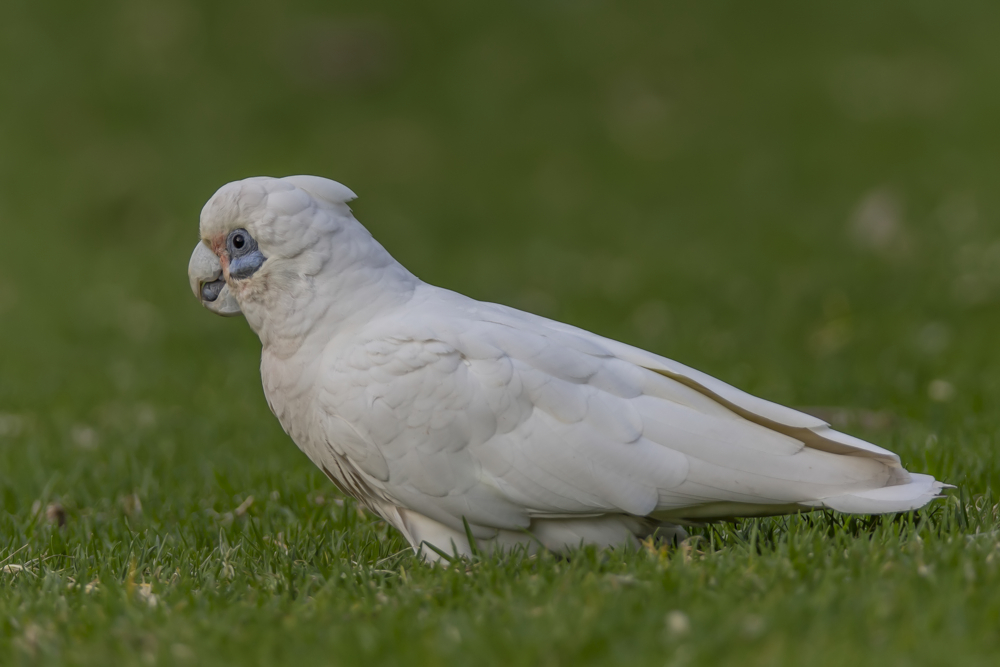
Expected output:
(451, 418)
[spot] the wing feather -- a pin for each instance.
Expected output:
(504, 417)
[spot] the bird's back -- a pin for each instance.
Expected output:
(457, 410)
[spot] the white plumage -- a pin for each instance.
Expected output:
(437, 411)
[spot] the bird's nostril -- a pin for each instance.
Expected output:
(210, 291)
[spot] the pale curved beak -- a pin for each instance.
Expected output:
(207, 283)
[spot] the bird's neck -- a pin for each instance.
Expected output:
(351, 286)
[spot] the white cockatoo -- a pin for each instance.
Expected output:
(448, 417)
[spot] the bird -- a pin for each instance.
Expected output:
(473, 427)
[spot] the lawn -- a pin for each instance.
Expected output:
(800, 201)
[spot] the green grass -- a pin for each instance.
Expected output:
(800, 201)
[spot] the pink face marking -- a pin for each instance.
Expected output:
(219, 248)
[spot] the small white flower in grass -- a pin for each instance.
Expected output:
(877, 224)
(754, 626)
(145, 416)
(84, 436)
(941, 390)
(145, 593)
(678, 624)
(182, 652)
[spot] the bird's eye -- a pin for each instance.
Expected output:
(240, 243)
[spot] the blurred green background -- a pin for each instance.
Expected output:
(799, 198)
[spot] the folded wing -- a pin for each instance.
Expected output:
(504, 418)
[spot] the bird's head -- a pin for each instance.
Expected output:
(270, 246)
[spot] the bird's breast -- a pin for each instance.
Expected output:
(289, 387)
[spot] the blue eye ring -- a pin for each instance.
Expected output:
(245, 258)
(240, 243)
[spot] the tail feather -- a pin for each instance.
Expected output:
(898, 498)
